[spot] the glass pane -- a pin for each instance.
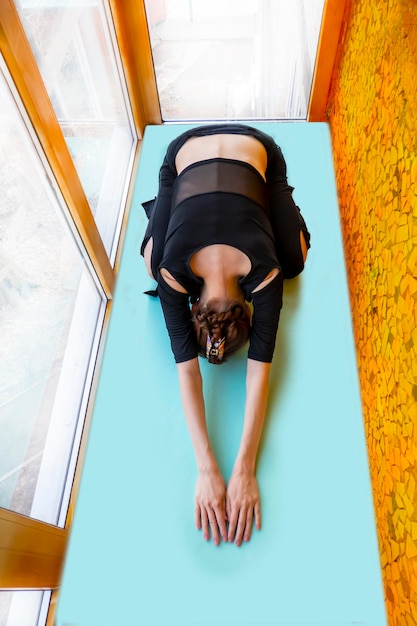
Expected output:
(240, 59)
(71, 40)
(50, 315)
(22, 608)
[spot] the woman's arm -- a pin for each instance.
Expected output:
(242, 497)
(210, 489)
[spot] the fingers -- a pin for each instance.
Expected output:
(258, 516)
(197, 516)
(239, 507)
(240, 528)
(205, 524)
(247, 531)
(211, 521)
(221, 522)
(241, 522)
(232, 517)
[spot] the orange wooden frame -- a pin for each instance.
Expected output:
(135, 49)
(31, 552)
(331, 28)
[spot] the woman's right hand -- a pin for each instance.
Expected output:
(210, 505)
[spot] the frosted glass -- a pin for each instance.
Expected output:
(73, 46)
(240, 59)
(50, 315)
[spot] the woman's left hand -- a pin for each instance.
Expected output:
(242, 505)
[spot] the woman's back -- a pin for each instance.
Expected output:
(225, 146)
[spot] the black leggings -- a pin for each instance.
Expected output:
(286, 227)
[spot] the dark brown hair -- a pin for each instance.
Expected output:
(232, 323)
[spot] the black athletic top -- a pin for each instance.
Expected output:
(220, 201)
(221, 217)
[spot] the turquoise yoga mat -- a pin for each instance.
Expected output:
(135, 557)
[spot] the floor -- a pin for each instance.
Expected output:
(316, 560)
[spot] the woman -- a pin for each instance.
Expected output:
(223, 231)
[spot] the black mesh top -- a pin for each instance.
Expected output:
(220, 201)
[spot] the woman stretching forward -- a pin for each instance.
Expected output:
(224, 231)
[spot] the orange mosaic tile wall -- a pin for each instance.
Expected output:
(372, 112)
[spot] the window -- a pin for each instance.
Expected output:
(51, 315)
(23, 608)
(67, 151)
(73, 44)
(241, 59)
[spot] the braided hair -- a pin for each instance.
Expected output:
(211, 327)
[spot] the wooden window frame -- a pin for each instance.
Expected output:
(135, 49)
(38, 551)
(330, 31)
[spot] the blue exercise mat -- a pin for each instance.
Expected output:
(135, 557)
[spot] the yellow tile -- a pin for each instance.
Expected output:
(395, 550)
(410, 548)
(411, 487)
